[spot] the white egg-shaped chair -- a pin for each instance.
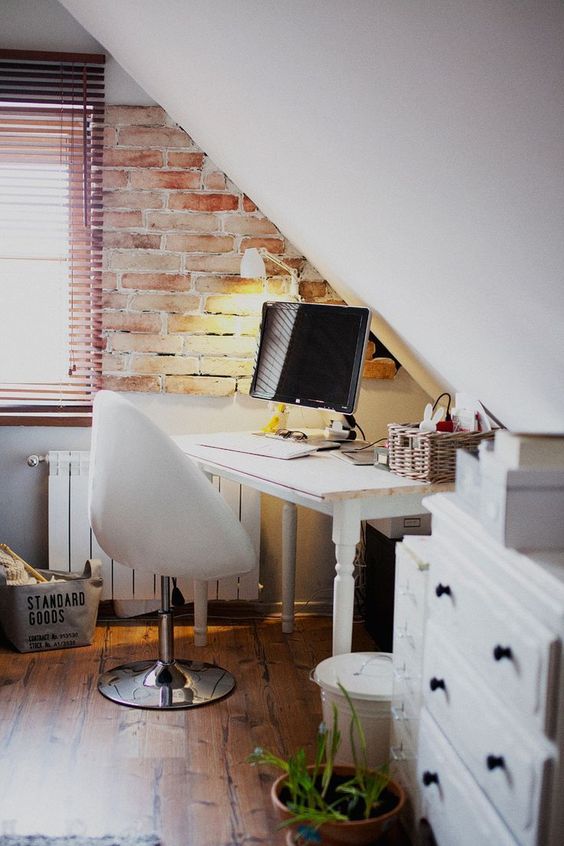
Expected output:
(152, 509)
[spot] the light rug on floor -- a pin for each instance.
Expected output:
(78, 840)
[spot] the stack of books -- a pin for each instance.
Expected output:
(519, 451)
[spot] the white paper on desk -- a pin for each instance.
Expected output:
(252, 444)
(318, 475)
(471, 404)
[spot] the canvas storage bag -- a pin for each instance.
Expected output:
(52, 615)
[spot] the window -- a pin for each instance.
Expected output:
(51, 141)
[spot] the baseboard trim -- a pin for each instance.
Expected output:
(218, 609)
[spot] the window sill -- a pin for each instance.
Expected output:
(13, 418)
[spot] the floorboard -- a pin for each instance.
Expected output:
(76, 763)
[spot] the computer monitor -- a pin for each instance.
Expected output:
(311, 354)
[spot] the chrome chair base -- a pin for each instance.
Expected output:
(163, 686)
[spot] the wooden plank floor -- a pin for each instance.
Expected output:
(73, 762)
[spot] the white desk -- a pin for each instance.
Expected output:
(325, 483)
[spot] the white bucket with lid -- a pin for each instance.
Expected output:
(367, 677)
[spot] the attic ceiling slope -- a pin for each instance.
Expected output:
(440, 127)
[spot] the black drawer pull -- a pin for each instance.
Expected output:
(502, 652)
(443, 589)
(495, 762)
(429, 778)
(435, 684)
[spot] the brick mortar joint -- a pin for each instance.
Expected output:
(240, 322)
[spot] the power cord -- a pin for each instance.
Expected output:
(350, 418)
(367, 446)
(492, 417)
(444, 394)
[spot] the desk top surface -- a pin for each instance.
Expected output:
(321, 475)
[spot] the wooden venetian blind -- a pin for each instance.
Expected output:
(51, 141)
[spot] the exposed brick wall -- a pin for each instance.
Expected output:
(178, 318)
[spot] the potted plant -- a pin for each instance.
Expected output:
(330, 804)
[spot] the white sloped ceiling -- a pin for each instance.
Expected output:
(414, 151)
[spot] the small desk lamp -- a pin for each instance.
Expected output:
(253, 267)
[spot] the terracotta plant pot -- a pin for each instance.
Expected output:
(357, 832)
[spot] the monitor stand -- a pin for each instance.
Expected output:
(330, 437)
(315, 437)
(339, 431)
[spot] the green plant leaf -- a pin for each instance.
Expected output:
(308, 791)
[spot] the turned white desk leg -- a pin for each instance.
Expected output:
(346, 534)
(289, 533)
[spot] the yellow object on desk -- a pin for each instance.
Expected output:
(277, 421)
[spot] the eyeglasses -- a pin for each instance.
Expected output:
(292, 434)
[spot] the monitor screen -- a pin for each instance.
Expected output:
(311, 354)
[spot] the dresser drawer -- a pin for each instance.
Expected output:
(410, 589)
(410, 584)
(409, 607)
(411, 571)
(449, 798)
(406, 702)
(408, 648)
(444, 591)
(514, 653)
(513, 766)
(403, 756)
(408, 668)
(403, 747)
(403, 769)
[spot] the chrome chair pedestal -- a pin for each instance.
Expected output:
(166, 683)
(158, 686)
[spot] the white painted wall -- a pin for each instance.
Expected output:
(411, 150)
(46, 25)
(23, 490)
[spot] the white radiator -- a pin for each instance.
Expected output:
(71, 540)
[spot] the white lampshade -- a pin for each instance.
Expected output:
(252, 265)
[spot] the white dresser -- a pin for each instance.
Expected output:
(490, 737)
(412, 566)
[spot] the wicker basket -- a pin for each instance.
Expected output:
(428, 456)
